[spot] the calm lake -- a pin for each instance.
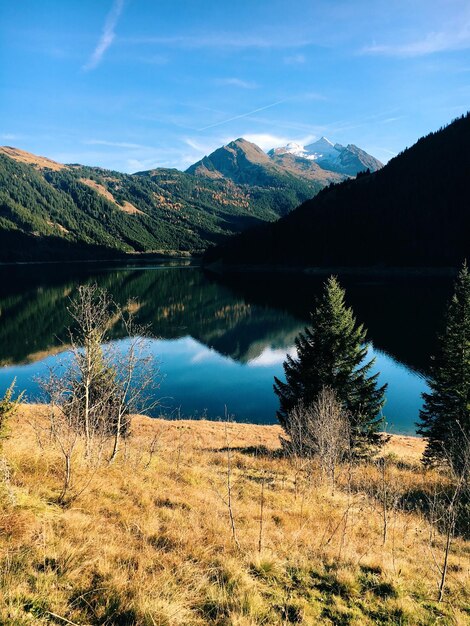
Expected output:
(221, 340)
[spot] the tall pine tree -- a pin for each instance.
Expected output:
(445, 417)
(331, 352)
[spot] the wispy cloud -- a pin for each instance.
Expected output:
(272, 356)
(114, 144)
(107, 36)
(454, 37)
(153, 59)
(9, 137)
(295, 59)
(266, 141)
(236, 82)
(221, 40)
(204, 147)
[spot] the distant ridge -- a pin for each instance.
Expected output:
(415, 211)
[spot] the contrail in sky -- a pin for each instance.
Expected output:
(238, 117)
(107, 36)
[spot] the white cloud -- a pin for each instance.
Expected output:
(455, 37)
(271, 356)
(9, 137)
(202, 147)
(222, 40)
(236, 82)
(204, 354)
(267, 141)
(107, 36)
(295, 59)
(115, 144)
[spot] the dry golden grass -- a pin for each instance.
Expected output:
(150, 542)
(31, 159)
(127, 207)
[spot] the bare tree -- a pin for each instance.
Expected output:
(229, 482)
(93, 393)
(321, 431)
(459, 495)
(261, 514)
(136, 378)
(64, 427)
(226, 493)
(449, 507)
(92, 314)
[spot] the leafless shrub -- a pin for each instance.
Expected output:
(320, 431)
(136, 378)
(92, 394)
(449, 507)
(8, 407)
(225, 492)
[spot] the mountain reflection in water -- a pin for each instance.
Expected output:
(220, 340)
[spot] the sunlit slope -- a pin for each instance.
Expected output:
(49, 210)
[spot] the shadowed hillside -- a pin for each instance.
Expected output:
(413, 212)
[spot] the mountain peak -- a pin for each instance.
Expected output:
(240, 161)
(246, 146)
(323, 145)
(324, 141)
(333, 158)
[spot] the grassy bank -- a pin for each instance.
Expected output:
(150, 539)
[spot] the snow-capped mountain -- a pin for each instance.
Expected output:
(347, 160)
(308, 168)
(292, 148)
(323, 149)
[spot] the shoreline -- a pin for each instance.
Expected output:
(242, 434)
(196, 260)
(411, 272)
(144, 257)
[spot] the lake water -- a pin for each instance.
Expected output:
(221, 340)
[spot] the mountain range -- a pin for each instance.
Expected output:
(49, 210)
(412, 212)
(346, 161)
(322, 162)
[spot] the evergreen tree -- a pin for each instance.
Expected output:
(445, 417)
(331, 353)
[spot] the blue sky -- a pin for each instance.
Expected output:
(134, 84)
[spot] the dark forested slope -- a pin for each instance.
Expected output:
(413, 212)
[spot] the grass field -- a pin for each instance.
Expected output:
(150, 540)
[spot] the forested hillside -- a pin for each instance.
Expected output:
(49, 211)
(413, 212)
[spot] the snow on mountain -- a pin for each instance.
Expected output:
(323, 148)
(348, 160)
(291, 148)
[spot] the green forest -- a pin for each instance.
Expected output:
(82, 212)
